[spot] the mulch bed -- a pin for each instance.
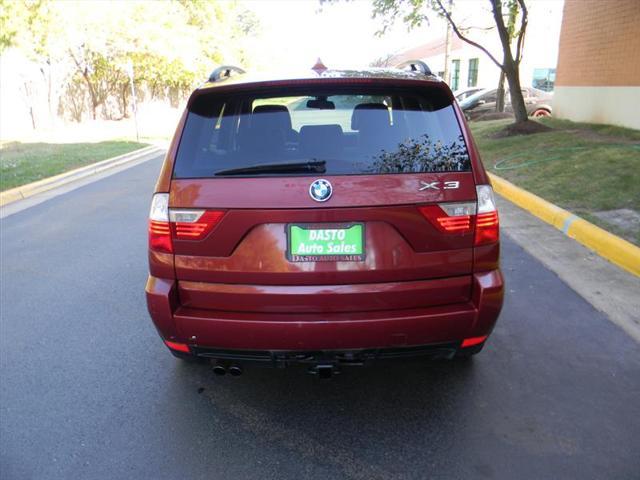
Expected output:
(524, 128)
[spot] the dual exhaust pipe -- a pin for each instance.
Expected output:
(221, 369)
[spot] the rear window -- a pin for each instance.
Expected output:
(365, 131)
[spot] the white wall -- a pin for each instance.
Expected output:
(610, 105)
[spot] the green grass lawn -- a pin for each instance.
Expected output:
(22, 163)
(582, 167)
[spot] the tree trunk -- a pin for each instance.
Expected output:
(515, 92)
(500, 94)
(94, 103)
(92, 93)
(124, 90)
(84, 71)
(447, 50)
(511, 26)
(29, 101)
(49, 81)
(509, 66)
(447, 55)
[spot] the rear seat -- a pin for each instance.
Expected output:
(283, 119)
(268, 132)
(375, 133)
(321, 140)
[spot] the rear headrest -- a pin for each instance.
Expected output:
(278, 114)
(323, 140)
(362, 114)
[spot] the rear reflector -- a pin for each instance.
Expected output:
(470, 342)
(178, 347)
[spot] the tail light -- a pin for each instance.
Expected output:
(159, 228)
(487, 224)
(451, 217)
(193, 224)
(463, 218)
(166, 224)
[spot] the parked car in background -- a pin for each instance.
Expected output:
(537, 102)
(463, 93)
(335, 218)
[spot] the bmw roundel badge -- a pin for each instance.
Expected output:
(320, 190)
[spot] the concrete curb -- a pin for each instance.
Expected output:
(615, 249)
(30, 189)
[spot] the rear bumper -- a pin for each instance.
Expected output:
(284, 358)
(210, 331)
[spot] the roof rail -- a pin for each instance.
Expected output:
(415, 66)
(223, 72)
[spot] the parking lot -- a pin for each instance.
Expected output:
(89, 391)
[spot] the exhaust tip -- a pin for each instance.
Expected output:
(235, 370)
(324, 371)
(219, 370)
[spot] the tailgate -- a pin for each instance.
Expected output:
(250, 244)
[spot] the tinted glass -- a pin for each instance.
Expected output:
(340, 133)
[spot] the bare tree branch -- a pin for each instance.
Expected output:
(523, 28)
(447, 15)
(496, 8)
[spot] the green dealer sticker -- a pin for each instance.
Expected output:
(317, 243)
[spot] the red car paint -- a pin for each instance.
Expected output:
(235, 289)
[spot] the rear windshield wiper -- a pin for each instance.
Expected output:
(315, 166)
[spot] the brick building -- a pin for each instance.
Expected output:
(598, 73)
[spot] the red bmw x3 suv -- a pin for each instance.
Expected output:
(330, 218)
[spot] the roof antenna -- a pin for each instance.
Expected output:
(319, 67)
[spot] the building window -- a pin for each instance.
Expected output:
(472, 79)
(455, 74)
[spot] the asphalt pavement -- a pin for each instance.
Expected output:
(87, 390)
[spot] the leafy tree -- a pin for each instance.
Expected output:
(15, 17)
(31, 26)
(416, 12)
(82, 47)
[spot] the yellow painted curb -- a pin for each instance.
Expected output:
(607, 245)
(548, 212)
(10, 196)
(615, 249)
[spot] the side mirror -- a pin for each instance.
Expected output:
(480, 102)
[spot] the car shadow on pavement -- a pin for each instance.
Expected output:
(336, 419)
